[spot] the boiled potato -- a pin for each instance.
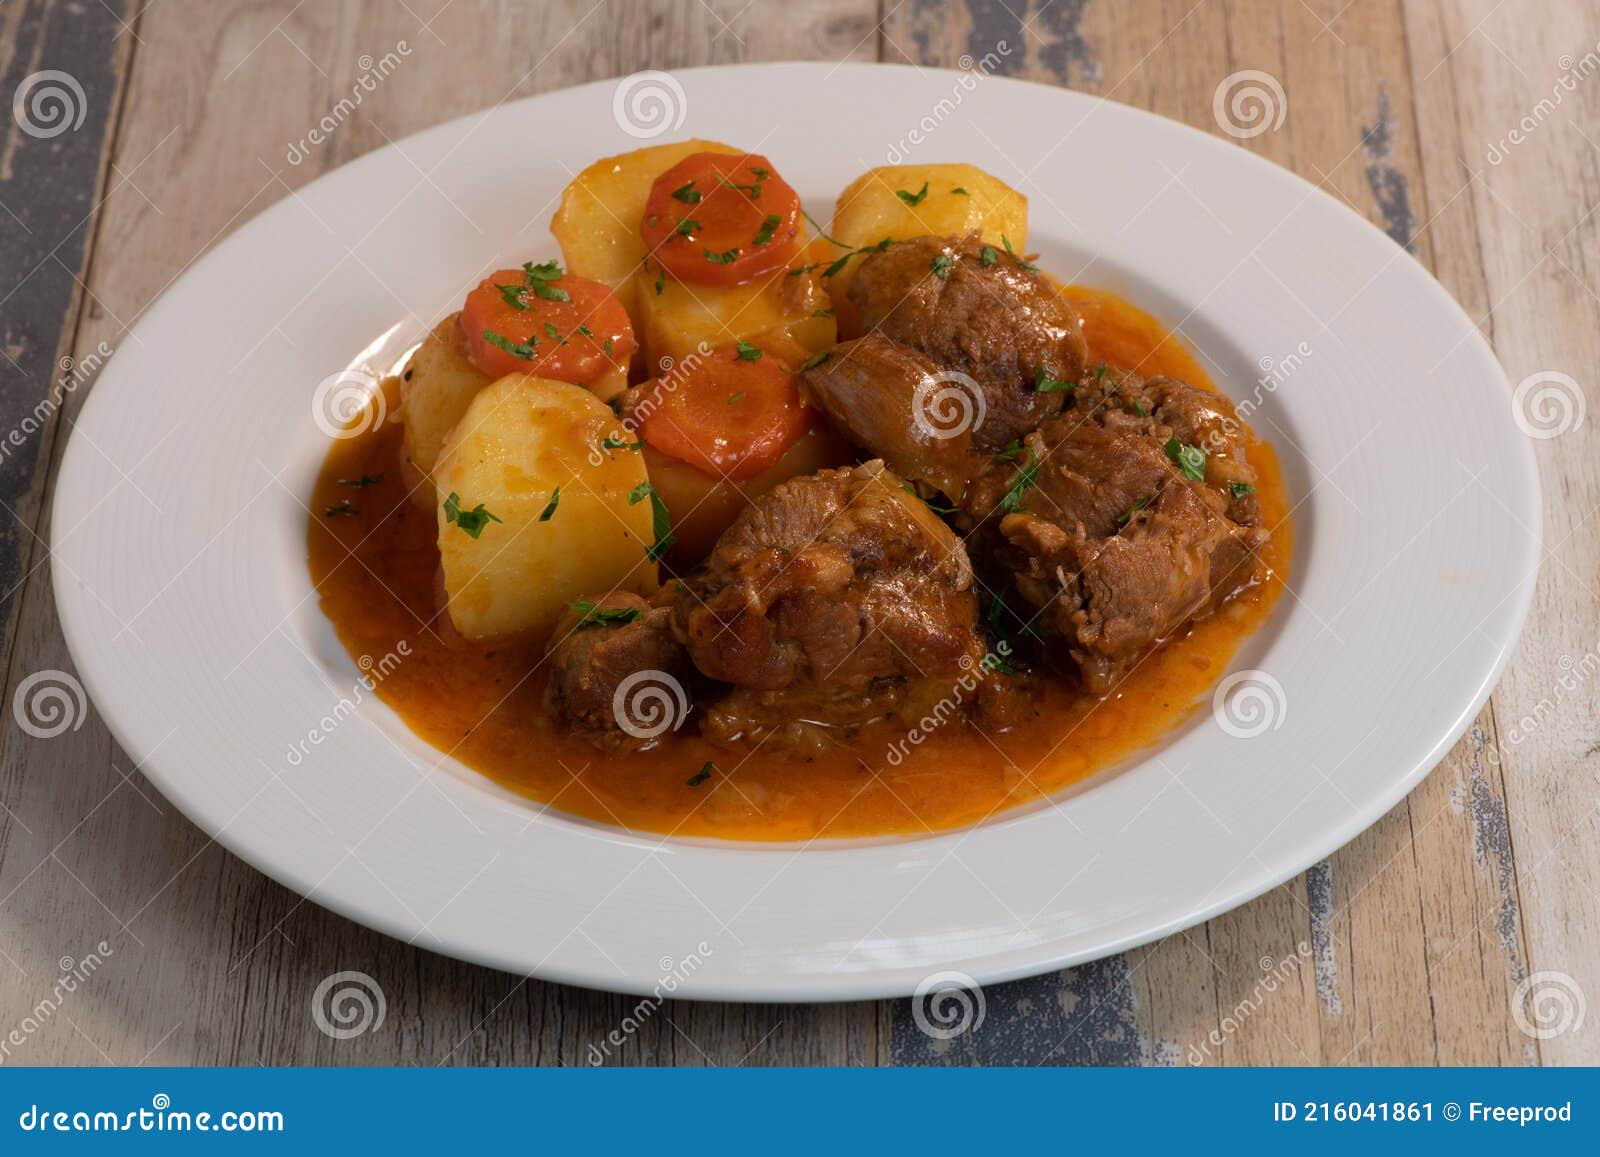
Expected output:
(435, 388)
(522, 439)
(676, 319)
(871, 208)
(597, 223)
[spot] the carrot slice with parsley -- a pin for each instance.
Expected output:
(734, 412)
(539, 320)
(721, 219)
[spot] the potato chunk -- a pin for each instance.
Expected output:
(597, 223)
(776, 312)
(871, 208)
(515, 552)
(436, 387)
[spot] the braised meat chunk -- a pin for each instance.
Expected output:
(617, 675)
(977, 311)
(889, 400)
(834, 600)
(1097, 521)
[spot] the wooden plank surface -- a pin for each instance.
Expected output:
(1410, 945)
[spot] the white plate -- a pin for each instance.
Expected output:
(180, 570)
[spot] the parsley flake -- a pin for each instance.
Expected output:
(471, 521)
(364, 480)
(724, 258)
(523, 350)
(1126, 515)
(1043, 383)
(344, 508)
(769, 226)
(1027, 478)
(989, 255)
(1240, 489)
(816, 360)
(592, 615)
(747, 352)
(700, 776)
(688, 194)
(661, 521)
(1191, 460)
(913, 198)
(555, 501)
(942, 264)
(1022, 264)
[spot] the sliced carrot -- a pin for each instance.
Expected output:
(731, 413)
(721, 219)
(539, 320)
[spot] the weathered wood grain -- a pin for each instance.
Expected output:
(1407, 946)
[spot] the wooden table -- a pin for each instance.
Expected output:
(1411, 945)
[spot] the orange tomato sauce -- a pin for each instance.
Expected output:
(482, 704)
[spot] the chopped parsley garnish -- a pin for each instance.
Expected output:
(700, 776)
(802, 269)
(942, 264)
(1240, 489)
(751, 191)
(344, 508)
(554, 334)
(1043, 383)
(472, 521)
(516, 296)
(688, 194)
(1010, 452)
(723, 258)
(913, 198)
(1027, 265)
(661, 279)
(816, 360)
(555, 501)
(959, 191)
(608, 347)
(523, 351)
(1027, 478)
(364, 480)
(687, 227)
(1000, 616)
(747, 352)
(593, 615)
(661, 521)
(993, 662)
(610, 443)
(769, 226)
(732, 398)
(585, 331)
(822, 313)
(989, 255)
(820, 233)
(761, 174)
(539, 278)
(1191, 460)
(1122, 519)
(845, 260)
(1138, 408)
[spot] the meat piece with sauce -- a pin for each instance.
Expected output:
(836, 599)
(1111, 547)
(976, 311)
(617, 674)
